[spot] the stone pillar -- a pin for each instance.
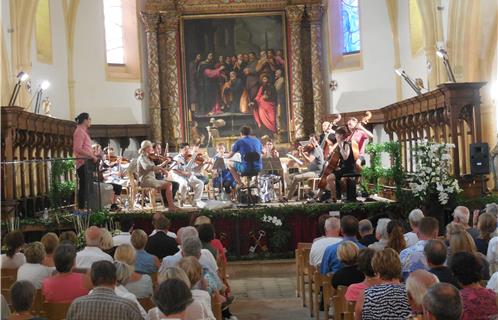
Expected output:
(151, 21)
(294, 15)
(315, 13)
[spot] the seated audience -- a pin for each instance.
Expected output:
(50, 241)
(396, 239)
(442, 302)
(22, 295)
(365, 266)
(107, 243)
(123, 274)
(13, 258)
(103, 303)
(381, 235)
(161, 244)
(172, 299)
(216, 243)
(55, 288)
(417, 284)
(493, 282)
(436, 253)
(366, 232)
(321, 226)
(138, 284)
(414, 218)
(349, 229)
(492, 255)
(486, 226)
(193, 270)
(68, 236)
(206, 235)
(413, 258)
(123, 235)
(461, 216)
(332, 229)
(461, 241)
(155, 218)
(33, 271)
(478, 302)
(91, 253)
(387, 300)
(145, 263)
(349, 273)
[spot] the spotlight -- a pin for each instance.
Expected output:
(400, 72)
(21, 77)
(44, 86)
(442, 54)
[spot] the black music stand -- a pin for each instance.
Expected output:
(274, 166)
(219, 165)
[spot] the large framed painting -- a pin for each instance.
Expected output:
(235, 73)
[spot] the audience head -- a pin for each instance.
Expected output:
(173, 297)
(156, 216)
(466, 267)
(68, 236)
(139, 239)
(201, 220)
(125, 253)
(34, 252)
(414, 218)
(187, 232)
(435, 252)
(492, 208)
(386, 264)
(349, 226)
(332, 227)
(191, 247)
(123, 272)
(428, 228)
(396, 237)
(417, 284)
(365, 262)
(22, 295)
(125, 224)
(106, 241)
(192, 268)
(365, 227)
(103, 273)
(348, 253)
(206, 232)
(64, 257)
(381, 229)
(14, 241)
(462, 241)
(461, 215)
(486, 225)
(172, 273)
(93, 236)
(162, 223)
(442, 302)
(321, 224)
(50, 241)
(245, 131)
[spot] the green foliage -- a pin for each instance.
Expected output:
(99, 218)
(61, 189)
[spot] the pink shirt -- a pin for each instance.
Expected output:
(478, 304)
(64, 288)
(354, 291)
(360, 137)
(81, 143)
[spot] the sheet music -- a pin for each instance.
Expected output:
(299, 162)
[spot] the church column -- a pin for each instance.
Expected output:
(315, 13)
(151, 21)
(172, 118)
(294, 15)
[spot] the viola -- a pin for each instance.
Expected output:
(158, 157)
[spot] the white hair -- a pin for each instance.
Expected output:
(418, 283)
(415, 216)
(462, 214)
(187, 232)
(492, 208)
(382, 228)
(332, 223)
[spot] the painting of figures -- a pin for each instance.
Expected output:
(235, 73)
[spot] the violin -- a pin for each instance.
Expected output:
(199, 159)
(309, 148)
(160, 158)
(363, 121)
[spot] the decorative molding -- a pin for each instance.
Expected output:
(315, 13)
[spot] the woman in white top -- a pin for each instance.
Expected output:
(33, 271)
(123, 274)
(13, 259)
(138, 284)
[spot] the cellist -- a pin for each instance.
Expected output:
(359, 134)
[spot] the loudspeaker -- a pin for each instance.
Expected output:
(479, 158)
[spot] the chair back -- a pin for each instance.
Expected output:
(146, 303)
(340, 303)
(56, 311)
(8, 277)
(324, 282)
(153, 277)
(216, 307)
(37, 307)
(250, 158)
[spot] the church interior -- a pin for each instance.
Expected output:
(271, 133)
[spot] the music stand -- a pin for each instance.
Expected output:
(274, 166)
(219, 165)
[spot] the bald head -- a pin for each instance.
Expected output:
(417, 284)
(461, 215)
(442, 301)
(92, 236)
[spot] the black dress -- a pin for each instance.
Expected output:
(347, 276)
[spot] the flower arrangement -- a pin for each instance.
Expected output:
(432, 176)
(278, 235)
(273, 220)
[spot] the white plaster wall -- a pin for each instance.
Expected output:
(7, 36)
(108, 102)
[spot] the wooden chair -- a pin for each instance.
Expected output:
(37, 307)
(8, 277)
(216, 307)
(146, 303)
(302, 259)
(55, 311)
(153, 277)
(135, 189)
(340, 303)
(311, 285)
(322, 284)
(349, 315)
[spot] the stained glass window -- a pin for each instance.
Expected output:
(350, 26)
(113, 17)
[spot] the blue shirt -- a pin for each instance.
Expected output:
(330, 261)
(413, 258)
(144, 262)
(249, 144)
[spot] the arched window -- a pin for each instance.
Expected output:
(350, 26)
(113, 19)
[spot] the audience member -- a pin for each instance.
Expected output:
(155, 218)
(123, 274)
(461, 216)
(387, 300)
(414, 218)
(413, 258)
(493, 283)
(56, 288)
(206, 235)
(461, 241)
(161, 244)
(492, 255)
(349, 229)
(91, 253)
(478, 302)
(365, 266)
(33, 271)
(68, 236)
(13, 258)
(486, 226)
(349, 273)
(103, 303)
(107, 243)
(396, 239)
(332, 229)
(417, 284)
(50, 241)
(436, 253)
(123, 235)
(321, 226)
(145, 262)
(22, 295)
(381, 235)
(442, 302)
(138, 284)
(216, 243)
(366, 232)
(172, 299)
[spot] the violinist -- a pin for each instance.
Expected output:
(107, 175)
(326, 130)
(313, 155)
(269, 150)
(146, 173)
(184, 175)
(158, 151)
(359, 134)
(223, 176)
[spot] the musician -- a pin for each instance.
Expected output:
(183, 174)
(158, 151)
(313, 155)
(105, 172)
(244, 145)
(222, 176)
(359, 134)
(146, 170)
(269, 150)
(326, 128)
